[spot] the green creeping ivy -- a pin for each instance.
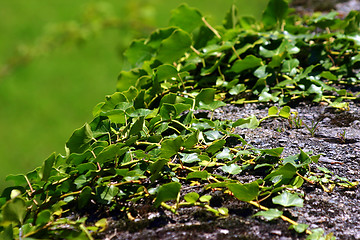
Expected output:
(146, 143)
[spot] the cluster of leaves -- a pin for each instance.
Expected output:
(147, 143)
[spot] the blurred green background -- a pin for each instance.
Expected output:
(60, 58)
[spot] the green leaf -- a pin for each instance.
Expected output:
(282, 175)
(289, 66)
(206, 96)
(250, 122)
(137, 126)
(205, 198)
(79, 140)
(270, 214)
(174, 47)
(273, 111)
(231, 18)
(109, 153)
(84, 197)
(14, 210)
(213, 135)
(285, 112)
(211, 106)
(168, 191)
(43, 217)
(198, 174)
(166, 72)
(170, 147)
(186, 18)
(191, 197)
(106, 193)
(138, 52)
(300, 228)
(244, 192)
(248, 62)
(47, 167)
(275, 12)
(232, 168)
(189, 157)
(216, 146)
(275, 152)
(141, 112)
(7, 233)
(224, 154)
(287, 199)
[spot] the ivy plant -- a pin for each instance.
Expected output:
(147, 143)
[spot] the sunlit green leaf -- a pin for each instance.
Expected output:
(244, 192)
(287, 199)
(186, 18)
(191, 197)
(270, 214)
(231, 169)
(174, 47)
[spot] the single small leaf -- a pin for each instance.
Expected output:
(244, 192)
(174, 47)
(300, 228)
(170, 147)
(186, 18)
(191, 197)
(270, 214)
(205, 198)
(216, 146)
(84, 197)
(14, 210)
(287, 199)
(168, 191)
(47, 167)
(107, 193)
(224, 154)
(189, 157)
(275, 12)
(43, 217)
(283, 175)
(213, 135)
(231, 169)
(138, 52)
(273, 111)
(248, 62)
(79, 140)
(198, 174)
(250, 122)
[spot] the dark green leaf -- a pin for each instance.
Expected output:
(248, 62)
(168, 191)
(244, 192)
(170, 147)
(84, 197)
(198, 174)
